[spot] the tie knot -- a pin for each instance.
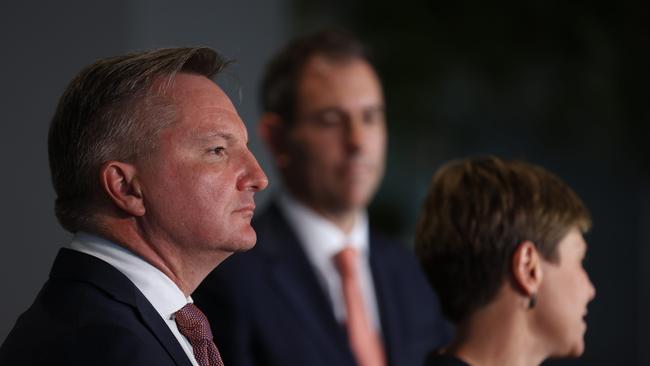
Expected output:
(193, 324)
(346, 261)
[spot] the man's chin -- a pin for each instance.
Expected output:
(249, 239)
(241, 242)
(355, 201)
(244, 248)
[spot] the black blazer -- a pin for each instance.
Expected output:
(89, 313)
(267, 307)
(436, 359)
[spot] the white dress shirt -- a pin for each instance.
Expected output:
(322, 240)
(160, 290)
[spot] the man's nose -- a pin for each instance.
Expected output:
(354, 134)
(253, 178)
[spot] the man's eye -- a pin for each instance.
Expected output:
(219, 151)
(373, 116)
(329, 118)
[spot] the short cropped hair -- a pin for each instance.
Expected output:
(477, 212)
(283, 73)
(110, 111)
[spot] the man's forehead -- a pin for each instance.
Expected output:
(328, 84)
(348, 71)
(206, 106)
(322, 64)
(320, 60)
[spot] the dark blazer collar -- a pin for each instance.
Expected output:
(76, 266)
(385, 289)
(296, 280)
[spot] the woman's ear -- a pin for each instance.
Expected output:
(273, 131)
(527, 269)
(120, 183)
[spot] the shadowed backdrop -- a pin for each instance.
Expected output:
(560, 84)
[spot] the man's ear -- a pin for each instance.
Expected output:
(120, 183)
(527, 268)
(273, 131)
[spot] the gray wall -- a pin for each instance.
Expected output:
(45, 45)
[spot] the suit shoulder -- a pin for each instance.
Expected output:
(110, 344)
(80, 304)
(392, 251)
(72, 323)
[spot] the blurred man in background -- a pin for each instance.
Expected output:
(321, 288)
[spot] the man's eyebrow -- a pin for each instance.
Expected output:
(380, 108)
(327, 109)
(214, 135)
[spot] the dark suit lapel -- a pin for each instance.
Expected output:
(159, 328)
(305, 300)
(71, 264)
(389, 312)
(296, 281)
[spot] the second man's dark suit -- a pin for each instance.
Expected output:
(89, 313)
(267, 307)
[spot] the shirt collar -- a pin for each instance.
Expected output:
(165, 296)
(320, 238)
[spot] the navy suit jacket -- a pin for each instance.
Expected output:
(267, 308)
(89, 313)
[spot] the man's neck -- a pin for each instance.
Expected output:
(182, 268)
(343, 218)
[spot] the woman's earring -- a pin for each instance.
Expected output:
(533, 300)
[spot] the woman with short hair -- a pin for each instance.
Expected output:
(502, 244)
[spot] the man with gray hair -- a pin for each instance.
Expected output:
(153, 176)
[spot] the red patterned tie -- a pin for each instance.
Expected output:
(364, 340)
(194, 325)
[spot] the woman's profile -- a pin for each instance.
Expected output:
(502, 244)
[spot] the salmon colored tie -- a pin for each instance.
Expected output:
(363, 338)
(194, 325)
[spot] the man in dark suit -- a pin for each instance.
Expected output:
(152, 175)
(321, 288)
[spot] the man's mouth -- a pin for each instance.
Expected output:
(247, 210)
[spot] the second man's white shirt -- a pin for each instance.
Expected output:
(322, 240)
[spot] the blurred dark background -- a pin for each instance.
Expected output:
(561, 84)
